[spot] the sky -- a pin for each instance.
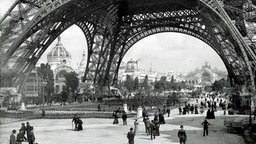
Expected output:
(165, 52)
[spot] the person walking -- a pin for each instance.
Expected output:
(147, 126)
(124, 117)
(79, 124)
(196, 109)
(152, 130)
(115, 115)
(205, 125)
(23, 130)
(13, 137)
(75, 121)
(182, 135)
(136, 127)
(168, 111)
(192, 109)
(157, 127)
(28, 128)
(130, 136)
(31, 137)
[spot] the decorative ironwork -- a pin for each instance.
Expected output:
(112, 27)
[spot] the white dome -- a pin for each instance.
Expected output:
(59, 51)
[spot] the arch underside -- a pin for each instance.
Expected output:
(112, 28)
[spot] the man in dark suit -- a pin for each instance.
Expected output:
(205, 125)
(31, 136)
(13, 137)
(124, 117)
(131, 136)
(182, 135)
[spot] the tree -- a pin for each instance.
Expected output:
(72, 83)
(47, 75)
(164, 82)
(128, 83)
(220, 85)
(64, 94)
(172, 99)
(136, 84)
(145, 83)
(172, 85)
(158, 86)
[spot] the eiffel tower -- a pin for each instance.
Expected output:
(112, 27)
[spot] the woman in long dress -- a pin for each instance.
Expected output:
(136, 127)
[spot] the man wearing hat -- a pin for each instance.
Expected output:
(13, 137)
(131, 136)
(182, 135)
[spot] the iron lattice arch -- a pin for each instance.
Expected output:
(112, 27)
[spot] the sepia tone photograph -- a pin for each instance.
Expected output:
(127, 71)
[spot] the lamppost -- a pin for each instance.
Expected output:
(43, 88)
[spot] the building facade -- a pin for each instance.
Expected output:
(59, 58)
(132, 69)
(204, 76)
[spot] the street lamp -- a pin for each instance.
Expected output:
(43, 87)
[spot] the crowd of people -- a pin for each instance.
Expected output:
(152, 127)
(25, 134)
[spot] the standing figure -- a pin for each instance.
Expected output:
(28, 128)
(79, 124)
(131, 136)
(208, 114)
(192, 109)
(20, 137)
(184, 110)
(23, 131)
(168, 111)
(116, 116)
(144, 114)
(152, 130)
(99, 108)
(124, 117)
(147, 126)
(13, 137)
(196, 109)
(136, 127)
(161, 118)
(75, 120)
(205, 125)
(157, 127)
(180, 110)
(182, 135)
(31, 137)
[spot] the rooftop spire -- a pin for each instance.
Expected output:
(59, 40)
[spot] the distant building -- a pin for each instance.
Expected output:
(60, 61)
(132, 69)
(204, 76)
(33, 85)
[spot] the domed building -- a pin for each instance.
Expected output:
(204, 76)
(60, 61)
(132, 69)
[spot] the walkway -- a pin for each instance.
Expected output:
(102, 131)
